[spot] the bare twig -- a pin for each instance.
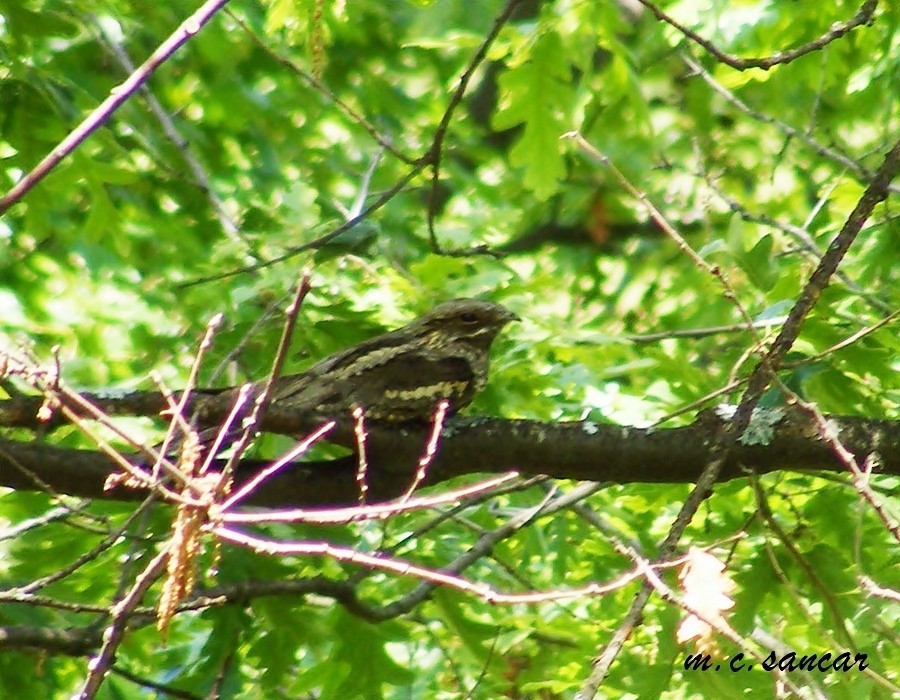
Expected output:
(437, 425)
(358, 414)
(177, 411)
(435, 151)
(860, 476)
(757, 383)
(262, 399)
(321, 240)
(248, 488)
(837, 30)
(57, 396)
(700, 332)
(356, 513)
(117, 96)
(171, 130)
(115, 633)
(431, 576)
(318, 85)
(853, 166)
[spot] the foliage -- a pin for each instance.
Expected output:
(118, 260)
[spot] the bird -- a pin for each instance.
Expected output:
(400, 376)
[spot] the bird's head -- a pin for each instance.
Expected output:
(468, 320)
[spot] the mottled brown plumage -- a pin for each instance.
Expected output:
(400, 376)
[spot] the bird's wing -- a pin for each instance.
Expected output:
(345, 359)
(406, 381)
(343, 362)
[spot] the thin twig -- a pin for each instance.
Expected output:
(837, 30)
(435, 151)
(117, 96)
(431, 576)
(353, 514)
(318, 85)
(853, 166)
(262, 399)
(437, 425)
(115, 632)
(171, 130)
(362, 463)
(756, 385)
(177, 413)
(248, 488)
(321, 240)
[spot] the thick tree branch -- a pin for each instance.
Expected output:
(78, 641)
(777, 440)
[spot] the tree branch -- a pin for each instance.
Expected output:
(777, 439)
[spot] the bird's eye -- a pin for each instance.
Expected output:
(468, 317)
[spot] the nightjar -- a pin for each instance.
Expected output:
(399, 377)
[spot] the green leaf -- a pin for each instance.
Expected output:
(759, 264)
(537, 93)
